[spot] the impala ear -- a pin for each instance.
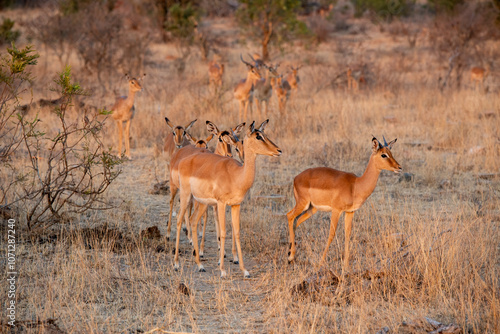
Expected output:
(238, 128)
(375, 145)
(190, 125)
(391, 143)
(251, 128)
(169, 123)
(190, 138)
(212, 128)
(228, 139)
(263, 125)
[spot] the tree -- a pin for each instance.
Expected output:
(270, 20)
(49, 176)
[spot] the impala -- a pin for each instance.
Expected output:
(123, 111)
(477, 76)
(352, 83)
(175, 140)
(211, 179)
(243, 92)
(222, 148)
(282, 89)
(293, 77)
(263, 88)
(215, 73)
(330, 190)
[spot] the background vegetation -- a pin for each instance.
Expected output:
(425, 244)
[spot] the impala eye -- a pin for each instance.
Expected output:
(259, 137)
(384, 155)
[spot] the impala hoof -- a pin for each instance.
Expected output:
(176, 267)
(223, 274)
(202, 270)
(246, 274)
(236, 262)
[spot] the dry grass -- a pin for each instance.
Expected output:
(447, 213)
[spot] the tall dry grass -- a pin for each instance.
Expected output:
(446, 212)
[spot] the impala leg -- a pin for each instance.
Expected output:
(242, 103)
(187, 229)
(259, 107)
(194, 222)
(202, 244)
(348, 228)
(221, 209)
(333, 228)
(120, 136)
(217, 226)
(297, 211)
(127, 139)
(173, 192)
(235, 255)
(182, 212)
(245, 110)
(235, 219)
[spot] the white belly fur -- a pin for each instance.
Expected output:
(207, 201)
(322, 207)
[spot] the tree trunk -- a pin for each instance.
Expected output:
(267, 29)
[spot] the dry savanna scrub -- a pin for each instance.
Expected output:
(425, 244)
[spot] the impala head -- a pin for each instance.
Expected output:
(257, 141)
(257, 59)
(226, 139)
(179, 132)
(201, 143)
(295, 69)
(135, 84)
(253, 70)
(273, 70)
(383, 156)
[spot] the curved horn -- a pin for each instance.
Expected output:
(385, 142)
(244, 62)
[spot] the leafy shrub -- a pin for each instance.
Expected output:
(7, 32)
(47, 177)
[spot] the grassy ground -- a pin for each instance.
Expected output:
(423, 245)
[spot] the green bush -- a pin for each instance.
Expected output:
(384, 9)
(7, 32)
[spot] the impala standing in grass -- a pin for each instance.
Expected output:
(211, 179)
(243, 92)
(331, 190)
(123, 111)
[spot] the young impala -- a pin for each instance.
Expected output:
(243, 92)
(477, 76)
(175, 140)
(330, 190)
(211, 179)
(123, 111)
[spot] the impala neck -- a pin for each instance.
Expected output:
(246, 178)
(130, 97)
(367, 182)
(249, 83)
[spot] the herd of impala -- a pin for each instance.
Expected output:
(204, 178)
